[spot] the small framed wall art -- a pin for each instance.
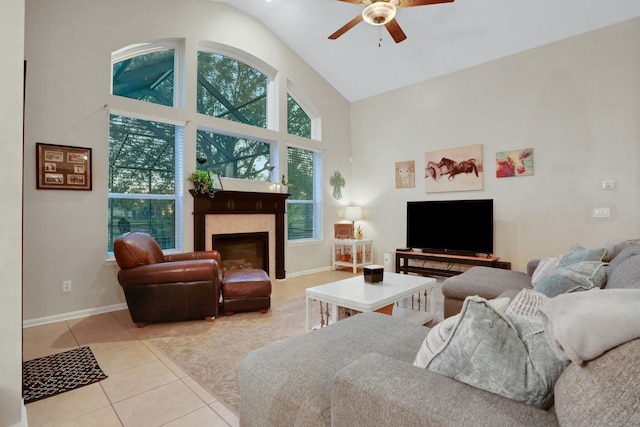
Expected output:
(62, 167)
(514, 163)
(406, 174)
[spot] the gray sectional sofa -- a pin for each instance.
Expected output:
(622, 271)
(360, 372)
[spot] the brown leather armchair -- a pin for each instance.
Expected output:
(166, 288)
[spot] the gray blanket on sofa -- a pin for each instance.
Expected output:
(581, 326)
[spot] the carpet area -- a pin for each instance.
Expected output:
(58, 373)
(209, 352)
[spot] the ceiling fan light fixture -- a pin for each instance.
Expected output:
(379, 13)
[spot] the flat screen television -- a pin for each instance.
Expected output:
(457, 227)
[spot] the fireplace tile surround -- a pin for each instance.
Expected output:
(242, 223)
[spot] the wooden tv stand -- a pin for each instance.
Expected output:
(403, 257)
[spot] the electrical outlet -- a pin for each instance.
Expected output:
(607, 184)
(66, 286)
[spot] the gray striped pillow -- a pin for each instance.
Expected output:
(526, 303)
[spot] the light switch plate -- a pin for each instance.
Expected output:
(601, 213)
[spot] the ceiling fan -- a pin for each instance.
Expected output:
(382, 12)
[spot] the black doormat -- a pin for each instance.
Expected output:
(55, 374)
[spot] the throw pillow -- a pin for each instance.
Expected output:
(614, 247)
(526, 303)
(626, 275)
(507, 355)
(440, 333)
(579, 276)
(621, 257)
(579, 253)
(545, 267)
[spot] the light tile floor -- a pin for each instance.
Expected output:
(144, 387)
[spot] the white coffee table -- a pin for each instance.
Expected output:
(355, 294)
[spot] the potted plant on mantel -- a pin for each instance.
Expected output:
(203, 182)
(287, 184)
(359, 232)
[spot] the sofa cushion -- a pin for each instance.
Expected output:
(614, 247)
(578, 253)
(376, 390)
(622, 256)
(603, 391)
(526, 303)
(578, 276)
(507, 355)
(288, 382)
(487, 282)
(441, 332)
(545, 267)
(626, 274)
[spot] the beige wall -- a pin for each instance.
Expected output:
(68, 44)
(11, 61)
(576, 102)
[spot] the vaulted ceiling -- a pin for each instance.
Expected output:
(441, 38)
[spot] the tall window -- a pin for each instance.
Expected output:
(144, 160)
(304, 171)
(303, 213)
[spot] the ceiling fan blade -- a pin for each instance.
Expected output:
(349, 25)
(396, 32)
(411, 3)
(355, 1)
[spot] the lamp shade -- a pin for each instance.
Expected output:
(352, 213)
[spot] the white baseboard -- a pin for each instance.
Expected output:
(72, 315)
(302, 273)
(109, 308)
(23, 422)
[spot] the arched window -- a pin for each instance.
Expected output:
(231, 89)
(298, 122)
(147, 72)
(235, 102)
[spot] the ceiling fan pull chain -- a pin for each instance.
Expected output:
(379, 37)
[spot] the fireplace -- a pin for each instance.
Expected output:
(232, 212)
(242, 250)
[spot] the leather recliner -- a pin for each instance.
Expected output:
(166, 288)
